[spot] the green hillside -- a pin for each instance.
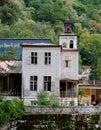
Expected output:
(45, 18)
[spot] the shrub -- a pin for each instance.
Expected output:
(72, 103)
(1, 98)
(44, 99)
(54, 100)
(11, 108)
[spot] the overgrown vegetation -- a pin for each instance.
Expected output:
(44, 99)
(10, 109)
(9, 54)
(62, 122)
(81, 94)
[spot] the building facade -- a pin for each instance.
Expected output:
(52, 68)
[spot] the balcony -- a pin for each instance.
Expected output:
(90, 82)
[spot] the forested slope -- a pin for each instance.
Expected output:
(44, 18)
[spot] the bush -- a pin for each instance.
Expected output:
(54, 102)
(11, 109)
(44, 99)
(1, 98)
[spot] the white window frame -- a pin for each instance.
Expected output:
(47, 83)
(47, 58)
(33, 83)
(34, 58)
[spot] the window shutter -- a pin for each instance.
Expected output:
(52, 86)
(69, 63)
(29, 60)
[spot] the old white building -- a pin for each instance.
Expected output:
(51, 67)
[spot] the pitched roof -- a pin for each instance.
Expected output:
(10, 66)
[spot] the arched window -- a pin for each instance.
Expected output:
(71, 44)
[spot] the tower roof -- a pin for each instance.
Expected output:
(67, 25)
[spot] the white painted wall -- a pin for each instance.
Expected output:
(40, 70)
(72, 71)
(66, 39)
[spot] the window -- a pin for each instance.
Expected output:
(47, 83)
(33, 83)
(71, 44)
(47, 58)
(64, 44)
(67, 63)
(33, 57)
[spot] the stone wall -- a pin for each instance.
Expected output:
(63, 109)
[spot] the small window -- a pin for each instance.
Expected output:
(71, 43)
(47, 58)
(33, 83)
(64, 45)
(47, 83)
(33, 57)
(67, 63)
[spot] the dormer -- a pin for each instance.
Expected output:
(68, 40)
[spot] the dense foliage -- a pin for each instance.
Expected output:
(10, 109)
(9, 54)
(44, 99)
(44, 18)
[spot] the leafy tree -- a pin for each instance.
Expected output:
(5, 31)
(11, 109)
(49, 10)
(90, 52)
(79, 7)
(9, 54)
(33, 29)
(13, 10)
(99, 68)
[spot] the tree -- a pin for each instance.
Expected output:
(9, 54)
(90, 52)
(81, 94)
(99, 68)
(11, 109)
(45, 10)
(13, 10)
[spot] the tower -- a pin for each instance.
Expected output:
(68, 40)
(69, 63)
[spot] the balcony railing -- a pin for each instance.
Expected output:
(90, 81)
(10, 94)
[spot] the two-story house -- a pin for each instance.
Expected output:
(11, 71)
(52, 68)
